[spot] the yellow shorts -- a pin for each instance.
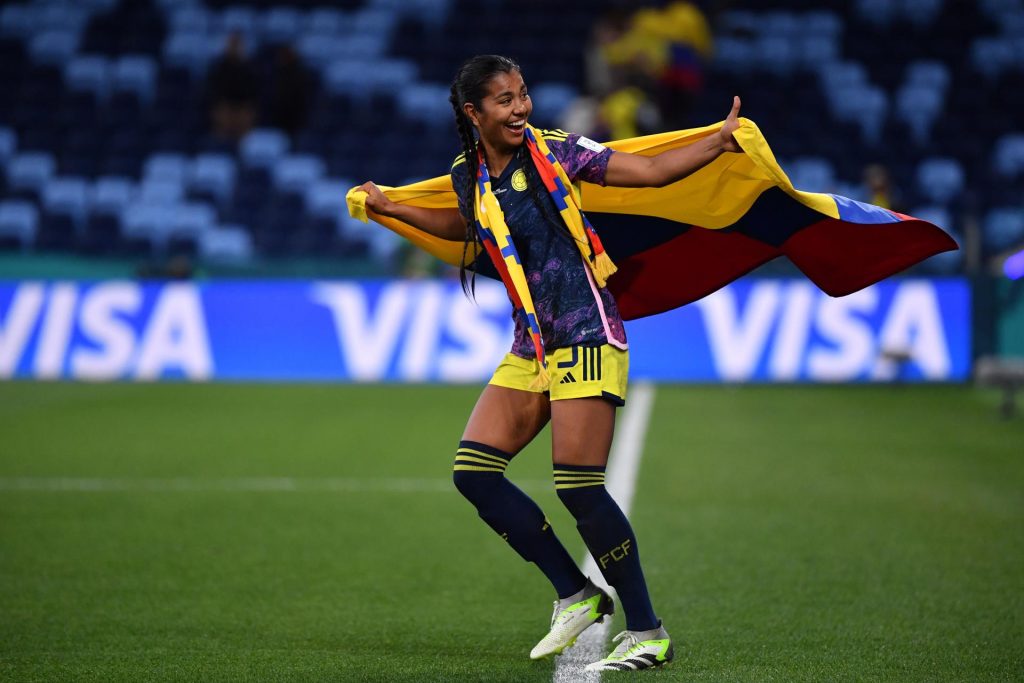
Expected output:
(576, 372)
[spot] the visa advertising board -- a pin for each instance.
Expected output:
(754, 330)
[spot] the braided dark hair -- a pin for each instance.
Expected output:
(470, 85)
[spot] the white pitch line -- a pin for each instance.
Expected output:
(623, 467)
(240, 484)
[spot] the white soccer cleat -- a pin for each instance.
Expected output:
(571, 617)
(637, 650)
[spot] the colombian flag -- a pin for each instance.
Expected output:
(676, 244)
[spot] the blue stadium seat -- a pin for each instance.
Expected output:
(136, 74)
(360, 79)
(213, 173)
(824, 23)
(733, 54)
(550, 102)
(867, 106)
(191, 219)
(148, 223)
(53, 48)
(318, 49)
(879, 13)
(68, 196)
(163, 192)
(990, 56)
(262, 147)
(8, 144)
(325, 21)
(281, 24)
(776, 54)
(89, 73)
(1003, 228)
(226, 244)
(741, 22)
(812, 174)
(921, 13)
(929, 73)
(19, 220)
(1009, 155)
(354, 231)
(326, 197)
(372, 21)
(781, 23)
(839, 77)
(61, 16)
(1011, 22)
(111, 194)
(30, 171)
(426, 103)
(815, 50)
(188, 18)
(941, 180)
(296, 173)
(189, 51)
(18, 20)
(360, 46)
(429, 12)
(166, 166)
(919, 105)
(936, 215)
(239, 19)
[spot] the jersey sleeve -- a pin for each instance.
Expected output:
(458, 175)
(582, 158)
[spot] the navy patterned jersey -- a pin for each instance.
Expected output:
(571, 309)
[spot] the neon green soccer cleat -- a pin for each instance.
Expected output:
(572, 616)
(637, 650)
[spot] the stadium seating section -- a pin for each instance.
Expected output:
(105, 145)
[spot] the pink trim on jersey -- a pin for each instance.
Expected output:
(604, 316)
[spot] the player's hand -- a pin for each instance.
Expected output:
(732, 122)
(376, 201)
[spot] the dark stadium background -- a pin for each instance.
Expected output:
(308, 531)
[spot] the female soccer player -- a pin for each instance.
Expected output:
(569, 360)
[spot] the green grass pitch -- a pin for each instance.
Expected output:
(310, 533)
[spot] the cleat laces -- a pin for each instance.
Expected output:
(629, 641)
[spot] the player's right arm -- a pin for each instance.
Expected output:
(447, 224)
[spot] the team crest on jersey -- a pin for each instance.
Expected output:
(519, 180)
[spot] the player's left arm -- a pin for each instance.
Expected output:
(633, 170)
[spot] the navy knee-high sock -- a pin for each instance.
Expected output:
(609, 537)
(480, 476)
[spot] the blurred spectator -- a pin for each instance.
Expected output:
(629, 112)
(879, 189)
(232, 91)
(289, 103)
(602, 78)
(663, 51)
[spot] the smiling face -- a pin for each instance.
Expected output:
(501, 117)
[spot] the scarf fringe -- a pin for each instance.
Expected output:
(603, 269)
(542, 382)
